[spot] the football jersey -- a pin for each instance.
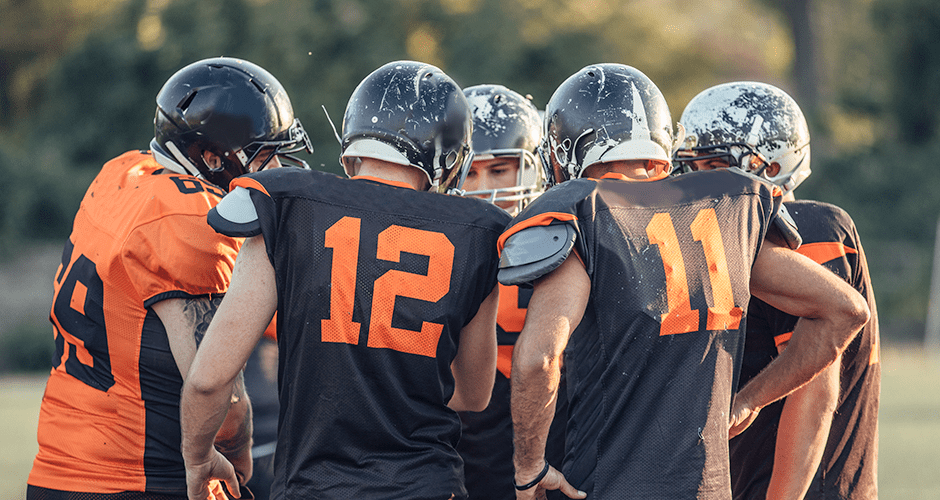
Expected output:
(486, 436)
(375, 281)
(849, 463)
(109, 419)
(651, 367)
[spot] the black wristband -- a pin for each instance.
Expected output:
(537, 480)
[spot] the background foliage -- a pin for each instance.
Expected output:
(78, 81)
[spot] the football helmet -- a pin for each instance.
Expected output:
(506, 124)
(410, 113)
(227, 106)
(603, 113)
(750, 125)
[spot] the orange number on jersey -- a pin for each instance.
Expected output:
(723, 315)
(440, 251)
(343, 238)
(343, 235)
(680, 318)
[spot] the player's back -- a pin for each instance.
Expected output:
(109, 421)
(650, 369)
(375, 282)
(849, 463)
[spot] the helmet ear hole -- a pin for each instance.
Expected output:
(450, 160)
(773, 169)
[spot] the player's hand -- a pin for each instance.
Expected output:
(241, 460)
(553, 480)
(742, 416)
(218, 467)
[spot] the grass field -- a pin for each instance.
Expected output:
(909, 460)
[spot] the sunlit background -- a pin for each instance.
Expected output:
(78, 80)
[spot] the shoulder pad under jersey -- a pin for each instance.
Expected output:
(235, 215)
(534, 252)
(787, 228)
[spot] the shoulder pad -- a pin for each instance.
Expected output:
(534, 252)
(235, 215)
(786, 227)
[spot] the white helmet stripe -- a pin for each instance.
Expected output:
(754, 135)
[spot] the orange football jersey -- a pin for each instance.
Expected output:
(109, 420)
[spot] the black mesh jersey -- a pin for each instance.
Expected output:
(849, 463)
(486, 438)
(374, 285)
(651, 367)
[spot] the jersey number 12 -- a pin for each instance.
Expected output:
(343, 238)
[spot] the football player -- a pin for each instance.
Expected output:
(506, 171)
(386, 297)
(140, 278)
(822, 440)
(642, 280)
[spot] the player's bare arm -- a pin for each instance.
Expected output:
(186, 321)
(240, 321)
(831, 314)
(474, 368)
(800, 444)
(555, 310)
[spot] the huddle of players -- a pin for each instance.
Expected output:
(826, 446)
(387, 298)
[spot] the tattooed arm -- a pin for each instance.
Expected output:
(249, 305)
(186, 321)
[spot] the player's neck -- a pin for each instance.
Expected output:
(412, 176)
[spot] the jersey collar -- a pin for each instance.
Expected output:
(384, 181)
(621, 177)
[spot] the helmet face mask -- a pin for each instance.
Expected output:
(735, 154)
(604, 113)
(530, 180)
(228, 107)
(507, 125)
(410, 113)
(297, 141)
(754, 125)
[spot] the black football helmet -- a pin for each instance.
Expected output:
(410, 113)
(750, 125)
(507, 124)
(603, 113)
(227, 106)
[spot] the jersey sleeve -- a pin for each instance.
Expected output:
(540, 238)
(235, 215)
(249, 209)
(178, 256)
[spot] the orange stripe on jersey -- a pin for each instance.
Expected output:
(384, 181)
(776, 192)
(825, 251)
(783, 338)
(504, 359)
(539, 220)
(248, 183)
(271, 331)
